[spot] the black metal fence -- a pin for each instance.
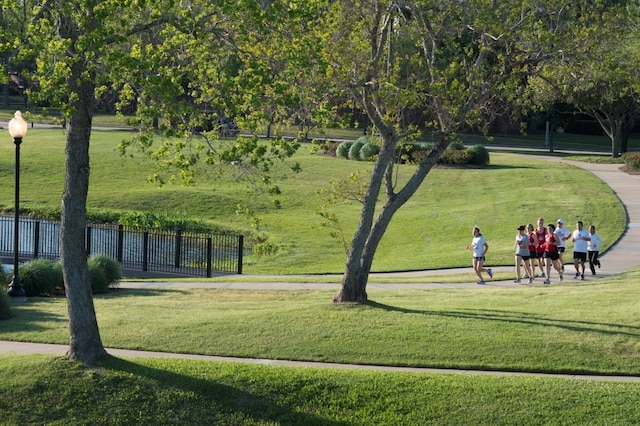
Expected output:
(165, 252)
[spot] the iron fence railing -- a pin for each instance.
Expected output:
(167, 252)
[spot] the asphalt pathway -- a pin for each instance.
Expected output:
(622, 256)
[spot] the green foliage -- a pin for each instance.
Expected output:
(455, 157)
(354, 150)
(5, 311)
(479, 155)
(110, 266)
(632, 160)
(266, 248)
(343, 149)
(41, 277)
(369, 150)
(456, 145)
(98, 278)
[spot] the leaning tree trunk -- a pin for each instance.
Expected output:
(85, 344)
(369, 234)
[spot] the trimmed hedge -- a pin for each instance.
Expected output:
(343, 149)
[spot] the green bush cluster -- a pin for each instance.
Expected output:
(43, 277)
(632, 160)
(365, 148)
(455, 157)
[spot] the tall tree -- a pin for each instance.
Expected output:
(174, 62)
(452, 61)
(595, 71)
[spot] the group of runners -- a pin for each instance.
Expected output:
(546, 247)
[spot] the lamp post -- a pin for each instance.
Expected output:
(17, 129)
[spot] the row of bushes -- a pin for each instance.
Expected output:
(366, 148)
(43, 277)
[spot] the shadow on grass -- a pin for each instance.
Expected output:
(521, 318)
(208, 401)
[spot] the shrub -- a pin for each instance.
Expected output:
(479, 155)
(632, 160)
(111, 268)
(41, 277)
(98, 279)
(456, 145)
(330, 148)
(454, 157)
(369, 150)
(418, 151)
(354, 150)
(343, 149)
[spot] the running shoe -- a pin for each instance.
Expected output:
(575, 277)
(547, 281)
(598, 264)
(582, 277)
(481, 282)
(530, 280)
(542, 275)
(517, 281)
(560, 276)
(490, 272)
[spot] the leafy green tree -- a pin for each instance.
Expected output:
(595, 70)
(176, 65)
(452, 61)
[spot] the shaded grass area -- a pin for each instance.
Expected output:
(579, 327)
(39, 389)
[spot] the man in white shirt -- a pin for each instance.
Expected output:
(581, 240)
(564, 234)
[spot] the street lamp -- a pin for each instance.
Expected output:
(17, 129)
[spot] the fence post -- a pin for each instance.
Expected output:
(145, 251)
(120, 247)
(240, 251)
(176, 262)
(209, 254)
(88, 241)
(36, 239)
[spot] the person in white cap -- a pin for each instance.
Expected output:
(563, 234)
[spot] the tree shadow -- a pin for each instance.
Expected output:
(521, 318)
(222, 402)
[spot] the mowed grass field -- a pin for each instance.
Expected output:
(430, 232)
(576, 327)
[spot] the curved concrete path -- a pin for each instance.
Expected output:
(622, 256)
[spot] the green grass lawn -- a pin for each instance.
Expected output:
(430, 232)
(589, 328)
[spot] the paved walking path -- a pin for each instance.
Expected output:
(622, 256)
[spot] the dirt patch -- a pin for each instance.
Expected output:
(629, 171)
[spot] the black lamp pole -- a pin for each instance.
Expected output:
(17, 128)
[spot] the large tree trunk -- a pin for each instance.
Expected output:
(85, 344)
